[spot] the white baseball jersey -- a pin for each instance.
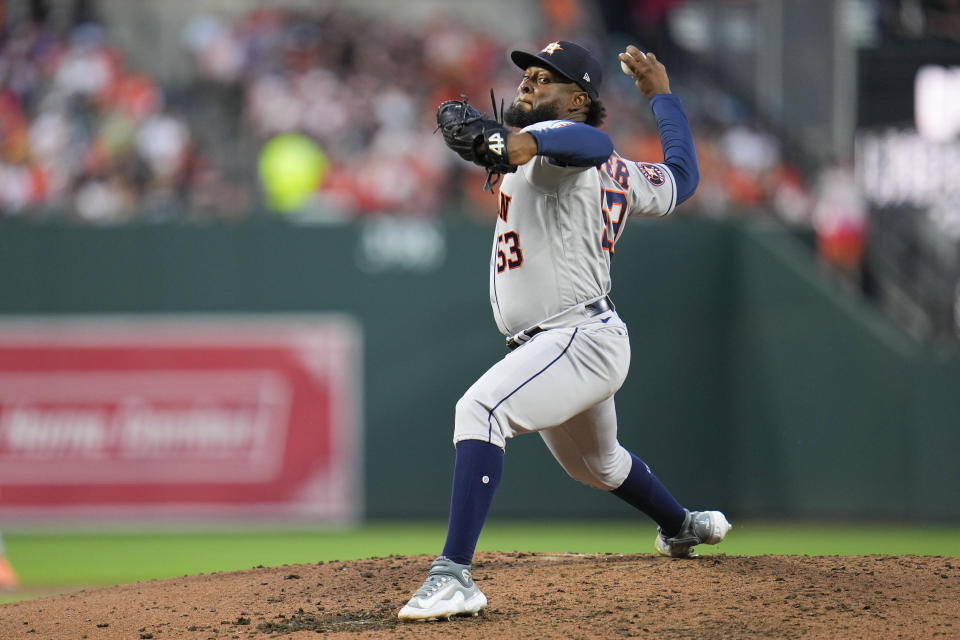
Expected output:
(557, 227)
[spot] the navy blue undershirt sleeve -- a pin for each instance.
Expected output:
(575, 145)
(677, 141)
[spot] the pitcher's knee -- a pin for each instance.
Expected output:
(608, 470)
(585, 476)
(474, 421)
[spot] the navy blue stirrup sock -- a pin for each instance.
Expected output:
(644, 491)
(475, 478)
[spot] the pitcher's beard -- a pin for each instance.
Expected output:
(520, 118)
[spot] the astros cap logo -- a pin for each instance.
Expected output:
(550, 48)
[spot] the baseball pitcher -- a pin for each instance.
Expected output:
(565, 197)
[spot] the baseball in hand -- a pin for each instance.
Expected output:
(625, 68)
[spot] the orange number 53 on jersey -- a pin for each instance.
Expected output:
(509, 255)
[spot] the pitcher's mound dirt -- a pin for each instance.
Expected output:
(531, 596)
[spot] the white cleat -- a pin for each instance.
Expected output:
(448, 591)
(699, 527)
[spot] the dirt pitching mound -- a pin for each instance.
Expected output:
(531, 595)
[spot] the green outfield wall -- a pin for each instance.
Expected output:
(757, 384)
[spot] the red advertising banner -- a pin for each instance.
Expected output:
(209, 418)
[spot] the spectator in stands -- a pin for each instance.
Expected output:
(840, 220)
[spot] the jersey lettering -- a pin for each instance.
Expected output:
(617, 169)
(511, 242)
(504, 208)
(608, 166)
(614, 204)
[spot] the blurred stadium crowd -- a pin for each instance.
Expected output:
(87, 137)
(327, 114)
(82, 134)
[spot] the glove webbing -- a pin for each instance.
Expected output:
(466, 100)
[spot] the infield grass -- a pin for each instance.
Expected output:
(56, 561)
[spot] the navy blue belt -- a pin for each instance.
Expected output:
(593, 309)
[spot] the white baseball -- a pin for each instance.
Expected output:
(626, 69)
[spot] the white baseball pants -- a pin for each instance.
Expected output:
(560, 384)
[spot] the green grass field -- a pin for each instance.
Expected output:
(47, 561)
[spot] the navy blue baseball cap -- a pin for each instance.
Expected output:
(570, 60)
